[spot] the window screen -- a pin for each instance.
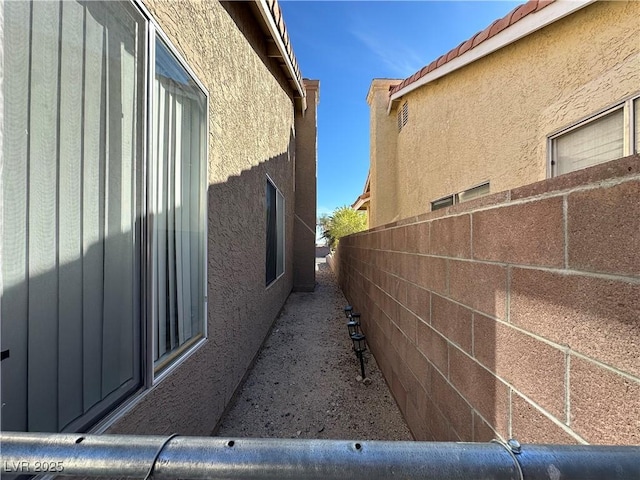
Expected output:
(598, 141)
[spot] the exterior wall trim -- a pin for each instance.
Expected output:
(524, 27)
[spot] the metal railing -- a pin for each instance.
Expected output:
(134, 456)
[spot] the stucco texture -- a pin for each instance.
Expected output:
(490, 120)
(251, 135)
(304, 275)
(383, 171)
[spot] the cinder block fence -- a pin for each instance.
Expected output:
(516, 314)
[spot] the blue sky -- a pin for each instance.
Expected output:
(346, 44)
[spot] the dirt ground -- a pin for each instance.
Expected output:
(305, 380)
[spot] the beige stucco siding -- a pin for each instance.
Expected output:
(247, 105)
(382, 154)
(491, 119)
(251, 135)
(304, 276)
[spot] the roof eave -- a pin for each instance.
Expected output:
(294, 78)
(361, 203)
(526, 26)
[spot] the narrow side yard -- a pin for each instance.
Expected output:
(304, 384)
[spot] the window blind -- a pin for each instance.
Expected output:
(177, 207)
(70, 296)
(598, 141)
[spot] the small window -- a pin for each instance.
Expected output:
(442, 203)
(606, 136)
(464, 196)
(596, 141)
(275, 233)
(474, 192)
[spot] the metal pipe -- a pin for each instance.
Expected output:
(243, 458)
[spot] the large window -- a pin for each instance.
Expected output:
(176, 198)
(102, 243)
(275, 233)
(606, 136)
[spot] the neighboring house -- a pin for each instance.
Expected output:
(550, 88)
(514, 315)
(363, 202)
(158, 207)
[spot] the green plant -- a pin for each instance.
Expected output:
(342, 222)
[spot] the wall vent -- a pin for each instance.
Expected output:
(403, 116)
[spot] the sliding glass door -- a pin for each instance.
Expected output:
(103, 194)
(73, 110)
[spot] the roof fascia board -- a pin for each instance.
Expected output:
(360, 202)
(263, 8)
(515, 32)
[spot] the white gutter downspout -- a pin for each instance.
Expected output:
(520, 29)
(275, 34)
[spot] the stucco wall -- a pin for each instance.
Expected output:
(304, 271)
(490, 120)
(382, 153)
(516, 314)
(251, 135)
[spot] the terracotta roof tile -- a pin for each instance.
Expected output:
(453, 53)
(496, 27)
(523, 10)
(441, 61)
(467, 45)
(483, 35)
(500, 25)
(543, 3)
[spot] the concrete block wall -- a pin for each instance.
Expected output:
(514, 315)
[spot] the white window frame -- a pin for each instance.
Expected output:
(630, 143)
(456, 198)
(150, 377)
(442, 202)
(460, 196)
(152, 373)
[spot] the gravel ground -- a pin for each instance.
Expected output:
(305, 382)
